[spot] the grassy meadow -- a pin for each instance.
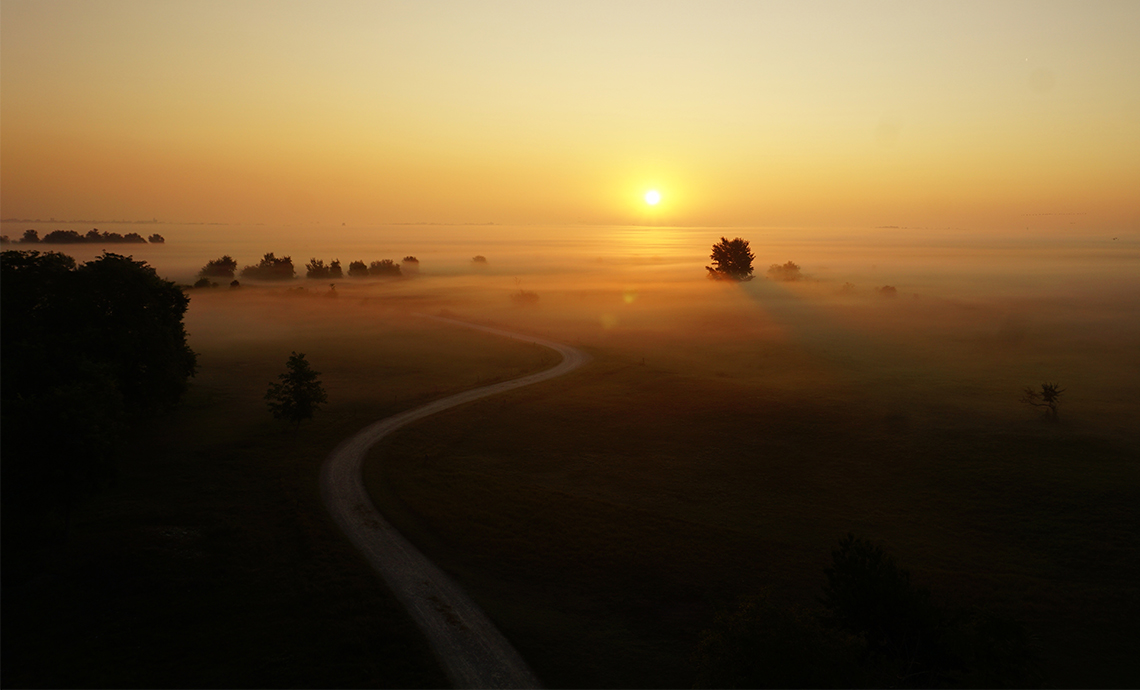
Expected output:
(210, 561)
(722, 440)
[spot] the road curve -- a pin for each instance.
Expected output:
(473, 653)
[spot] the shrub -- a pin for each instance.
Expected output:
(270, 268)
(358, 269)
(219, 268)
(787, 272)
(386, 267)
(888, 291)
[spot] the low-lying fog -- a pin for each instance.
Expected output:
(971, 321)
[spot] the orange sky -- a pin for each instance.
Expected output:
(862, 113)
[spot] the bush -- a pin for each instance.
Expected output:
(270, 268)
(479, 260)
(887, 291)
(219, 268)
(317, 270)
(787, 272)
(156, 239)
(335, 271)
(358, 269)
(386, 267)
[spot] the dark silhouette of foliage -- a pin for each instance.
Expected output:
(385, 267)
(299, 394)
(92, 237)
(86, 352)
(757, 644)
(335, 270)
(4, 239)
(876, 630)
(358, 269)
(219, 268)
(789, 272)
(316, 270)
(156, 239)
(30, 237)
(204, 283)
(411, 265)
(1046, 399)
(234, 284)
(270, 268)
(479, 260)
(63, 237)
(888, 291)
(732, 260)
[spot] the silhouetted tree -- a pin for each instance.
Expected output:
(316, 269)
(30, 237)
(62, 237)
(385, 267)
(479, 260)
(888, 291)
(156, 239)
(93, 236)
(219, 268)
(234, 284)
(270, 268)
(789, 271)
(134, 238)
(335, 270)
(1046, 399)
(86, 351)
(358, 269)
(299, 394)
(112, 237)
(732, 260)
(411, 264)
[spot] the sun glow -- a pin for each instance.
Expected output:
(653, 197)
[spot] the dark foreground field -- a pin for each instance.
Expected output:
(604, 518)
(722, 441)
(211, 562)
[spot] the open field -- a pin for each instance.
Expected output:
(211, 562)
(726, 436)
(721, 442)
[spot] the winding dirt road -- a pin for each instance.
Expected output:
(473, 653)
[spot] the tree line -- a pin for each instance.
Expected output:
(272, 267)
(91, 237)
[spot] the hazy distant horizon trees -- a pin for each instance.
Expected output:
(411, 264)
(789, 272)
(358, 269)
(91, 237)
(384, 268)
(317, 270)
(219, 268)
(732, 260)
(270, 268)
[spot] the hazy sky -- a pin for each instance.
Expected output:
(796, 113)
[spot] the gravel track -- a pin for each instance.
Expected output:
(473, 653)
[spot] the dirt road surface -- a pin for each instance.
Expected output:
(473, 653)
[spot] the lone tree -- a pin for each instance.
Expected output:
(299, 394)
(1046, 399)
(732, 260)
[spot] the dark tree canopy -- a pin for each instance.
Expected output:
(317, 270)
(86, 351)
(219, 268)
(385, 267)
(299, 394)
(335, 270)
(358, 269)
(270, 268)
(732, 260)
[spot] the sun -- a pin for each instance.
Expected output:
(653, 197)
